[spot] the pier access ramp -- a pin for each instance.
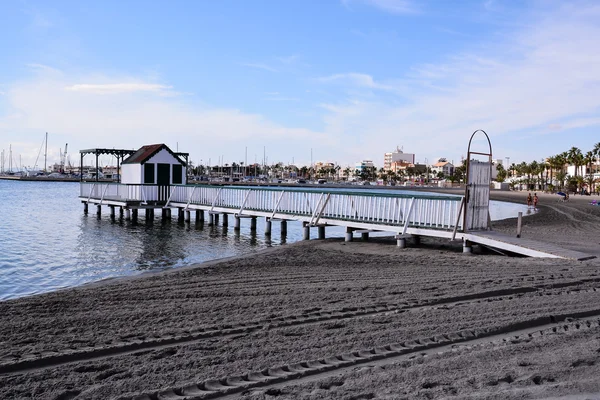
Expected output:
(525, 247)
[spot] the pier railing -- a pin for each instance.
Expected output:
(312, 206)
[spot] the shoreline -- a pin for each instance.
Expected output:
(314, 300)
(501, 225)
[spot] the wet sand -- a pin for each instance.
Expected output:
(423, 322)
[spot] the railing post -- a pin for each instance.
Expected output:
(462, 203)
(408, 215)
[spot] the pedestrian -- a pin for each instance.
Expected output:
(535, 200)
(529, 200)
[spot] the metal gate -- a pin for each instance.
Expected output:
(477, 192)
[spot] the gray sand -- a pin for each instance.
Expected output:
(318, 299)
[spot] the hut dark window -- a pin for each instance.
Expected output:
(149, 173)
(177, 172)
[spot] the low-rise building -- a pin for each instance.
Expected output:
(397, 156)
(442, 166)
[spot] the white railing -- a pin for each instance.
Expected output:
(313, 206)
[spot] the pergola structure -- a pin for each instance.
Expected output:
(120, 154)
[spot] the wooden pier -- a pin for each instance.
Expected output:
(359, 212)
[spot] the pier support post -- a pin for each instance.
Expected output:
(236, 223)
(98, 210)
(120, 212)
(364, 236)
(416, 239)
(112, 212)
(321, 232)
(467, 247)
(283, 227)
(401, 243)
(199, 215)
(180, 214)
(253, 224)
(187, 216)
(128, 214)
(348, 236)
(85, 208)
(305, 231)
(134, 215)
(168, 213)
(267, 226)
(216, 219)
(225, 219)
(164, 214)
(211, 219)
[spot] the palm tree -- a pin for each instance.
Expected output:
(551, 163)
(575, 157)
(304, 171)
(596, 153)
(347, 172)
(588, 159)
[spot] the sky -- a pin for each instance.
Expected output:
(300, 81)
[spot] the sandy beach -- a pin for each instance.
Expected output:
(327, 320)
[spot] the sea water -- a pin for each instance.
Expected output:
(48, 243)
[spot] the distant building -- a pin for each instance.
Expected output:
(325, 165)
(398, 157)
(442, 165)
(399, 166)
(362, 165)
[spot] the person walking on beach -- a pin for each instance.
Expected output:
(535, 200)
(529, 200)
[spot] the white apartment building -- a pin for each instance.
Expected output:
(397, 156)
(361, 165)
(442, 166)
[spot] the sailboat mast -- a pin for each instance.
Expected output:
(46, 152)
(10, 158)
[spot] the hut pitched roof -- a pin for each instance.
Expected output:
(147, 152)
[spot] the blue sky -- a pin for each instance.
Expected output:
(349, 79)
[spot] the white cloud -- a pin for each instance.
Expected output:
(353, 78)
(116, 88)
(131, 118)
(288, 59)
(260, 66)
(390, 6)
(543, 74)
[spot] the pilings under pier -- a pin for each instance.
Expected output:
(283, 227)
(321, 232)
(348, 236)
(305, 231)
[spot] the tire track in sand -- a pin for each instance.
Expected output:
(39, 361)
(231, 387)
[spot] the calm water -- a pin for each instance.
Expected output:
(47, 243)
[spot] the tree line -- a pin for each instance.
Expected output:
(544, 174)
